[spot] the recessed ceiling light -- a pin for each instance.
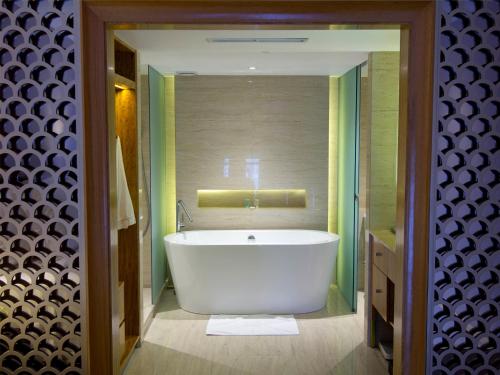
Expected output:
(252, 67)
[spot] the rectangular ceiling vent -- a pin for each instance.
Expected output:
(185, 73)
(257, 40)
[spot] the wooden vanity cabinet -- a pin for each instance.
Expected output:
(379, 292)
(382, 279)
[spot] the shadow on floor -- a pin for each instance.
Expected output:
(168, 308)
(336, 305)
(351, 364)
(154, 359)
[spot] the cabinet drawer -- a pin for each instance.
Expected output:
(391, 265)
(380, 256)
(379, 292)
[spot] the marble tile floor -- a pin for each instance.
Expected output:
(330, 342)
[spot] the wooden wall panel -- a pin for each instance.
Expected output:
(128, 238)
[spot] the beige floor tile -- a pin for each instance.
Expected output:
(330, 342)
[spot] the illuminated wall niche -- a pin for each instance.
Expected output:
(286, 198)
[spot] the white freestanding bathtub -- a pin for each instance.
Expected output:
(225, 272)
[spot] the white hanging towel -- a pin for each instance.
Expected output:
(125, 209)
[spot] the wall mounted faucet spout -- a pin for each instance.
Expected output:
(180, 215)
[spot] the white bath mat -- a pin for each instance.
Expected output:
(252, 325)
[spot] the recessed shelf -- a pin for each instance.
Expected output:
(269, 198)
(125, 60)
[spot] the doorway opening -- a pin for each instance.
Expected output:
(405, 220)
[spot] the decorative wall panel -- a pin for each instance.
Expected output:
(253, 133)
(464, 296)
(40, 320)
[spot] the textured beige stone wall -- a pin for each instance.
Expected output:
(383, 82)
(240, 132)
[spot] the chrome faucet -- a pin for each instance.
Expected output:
(180, 216)
(251, 202)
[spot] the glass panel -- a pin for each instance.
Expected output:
(145, 196)
(348, 185)
(157, 117)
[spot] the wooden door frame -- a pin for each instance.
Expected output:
(417, 20)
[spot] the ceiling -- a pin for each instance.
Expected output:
(326, 52)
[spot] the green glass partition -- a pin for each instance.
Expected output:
(348, 167)
(162, 148)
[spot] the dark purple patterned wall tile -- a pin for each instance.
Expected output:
(464, 295)
(40, 313)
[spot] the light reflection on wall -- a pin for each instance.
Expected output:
(225, 168)
(252, 171)
(312, 199)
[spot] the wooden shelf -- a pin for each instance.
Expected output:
(122, 82)
(130, 343)
(125, 101)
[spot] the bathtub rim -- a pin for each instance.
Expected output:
(173, 238)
